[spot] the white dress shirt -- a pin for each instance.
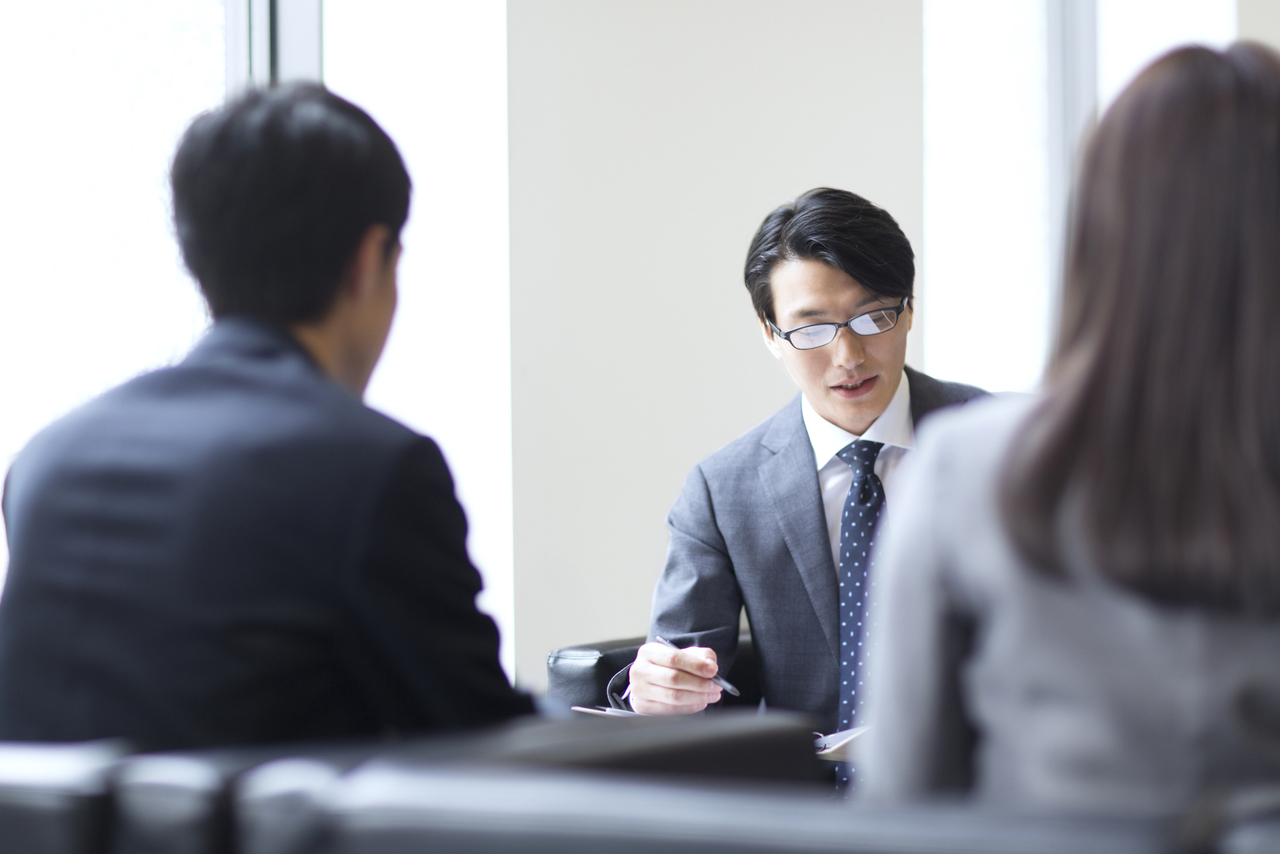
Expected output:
(893, 428)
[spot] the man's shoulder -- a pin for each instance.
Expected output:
(304, 417)
(929, 394)
(250, 366)
(265, 409)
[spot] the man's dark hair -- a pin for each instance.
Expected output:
(272, 194)
(839, 229)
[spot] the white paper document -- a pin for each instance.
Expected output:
(606, 712)
(838, 747)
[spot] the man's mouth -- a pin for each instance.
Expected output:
(855, 388)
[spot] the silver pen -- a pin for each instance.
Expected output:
(718, 679)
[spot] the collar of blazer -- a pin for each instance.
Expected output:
(240, 337)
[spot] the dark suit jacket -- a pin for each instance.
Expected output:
(749, 531)
(236, 550)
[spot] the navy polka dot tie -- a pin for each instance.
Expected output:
(862, 510)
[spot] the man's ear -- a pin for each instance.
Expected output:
(911, 312)
(770, 340)
(369, 262)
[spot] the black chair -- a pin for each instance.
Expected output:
(586, 784)
(579, 675)
(738, 745)
(1260, 836)
(54, 797)
(395, 808)
(181, 802)
(282, 807)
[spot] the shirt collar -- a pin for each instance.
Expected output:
(893, 427)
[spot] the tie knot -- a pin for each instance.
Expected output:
(861, 457)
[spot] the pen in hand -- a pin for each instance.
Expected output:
(718, 679)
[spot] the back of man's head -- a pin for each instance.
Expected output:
(272, 194)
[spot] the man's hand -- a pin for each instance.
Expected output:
(667, 681)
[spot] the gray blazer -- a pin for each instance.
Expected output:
(1084, 695)
(748, 531)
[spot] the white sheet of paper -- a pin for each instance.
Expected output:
(838, 747)
(605, 712)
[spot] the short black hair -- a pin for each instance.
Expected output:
(272, 194)
(837, 228)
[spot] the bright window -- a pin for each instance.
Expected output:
(986, 271)
(992, 218)
(433, 73)
(1131, 33)
(94, 292)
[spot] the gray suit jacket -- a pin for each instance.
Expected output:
(749, 531)
(1087, 696)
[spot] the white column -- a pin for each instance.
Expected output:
(273, 41)
(299, 51)
(1072, 58)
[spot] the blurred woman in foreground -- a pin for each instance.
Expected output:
(1080, 595)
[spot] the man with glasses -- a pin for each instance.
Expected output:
(781, 521)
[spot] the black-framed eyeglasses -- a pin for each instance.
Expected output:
(821, 334)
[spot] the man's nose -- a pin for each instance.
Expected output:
(848, 348)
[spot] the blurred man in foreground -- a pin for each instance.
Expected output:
(235, 549)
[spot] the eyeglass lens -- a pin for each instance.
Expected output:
(822, 334)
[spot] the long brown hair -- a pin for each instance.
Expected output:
(1162, 405)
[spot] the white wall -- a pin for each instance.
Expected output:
(648, 140)
(433, 74)
(1259, 20)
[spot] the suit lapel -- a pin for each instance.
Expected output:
(790, 480)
